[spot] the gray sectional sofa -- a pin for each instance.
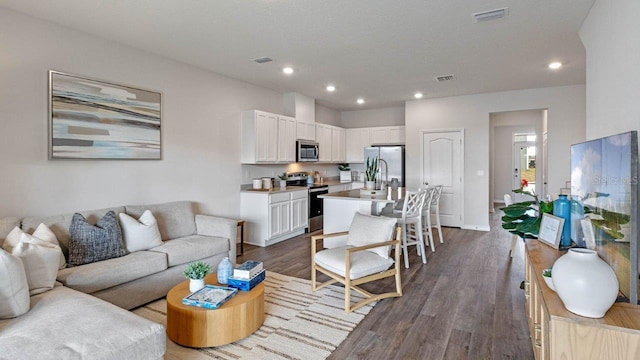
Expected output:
(84, 317)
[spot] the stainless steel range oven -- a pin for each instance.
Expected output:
(315, 206)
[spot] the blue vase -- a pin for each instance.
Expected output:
(562, 208)
(225, 270)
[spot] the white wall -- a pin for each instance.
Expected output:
(325, 115)
(610, 35)
(390, 116)
(200, 126)
(566, 123)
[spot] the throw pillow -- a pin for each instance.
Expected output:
(366, 229)
(14, 291)
(40, 262)
(90, 243)
(140, 234)
(42, 234)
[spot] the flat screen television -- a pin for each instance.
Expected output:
(604, 204)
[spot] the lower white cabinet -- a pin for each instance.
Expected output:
(274, 217)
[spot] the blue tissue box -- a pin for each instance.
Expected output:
(246, 285)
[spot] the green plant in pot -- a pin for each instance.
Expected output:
(371, 172)
(195, 272)
(344, 167)
(523, 218)
(283, 179)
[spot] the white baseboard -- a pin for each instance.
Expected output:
(476, 227)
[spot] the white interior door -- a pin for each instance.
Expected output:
(442, 160)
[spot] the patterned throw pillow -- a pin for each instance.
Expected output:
(90, 243)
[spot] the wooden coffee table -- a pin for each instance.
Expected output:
(192, 326)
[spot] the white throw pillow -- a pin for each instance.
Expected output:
(140, 234)
(366, 229)
(42, 235)
(40, 261)
(14, 291)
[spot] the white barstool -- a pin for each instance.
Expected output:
(412, 216)
(514, 238)
(435, 205)
(426, 218)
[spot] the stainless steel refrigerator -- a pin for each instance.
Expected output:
(393, 156)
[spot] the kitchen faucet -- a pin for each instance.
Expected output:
(386, 173)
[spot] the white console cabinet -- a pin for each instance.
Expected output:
(274, 217)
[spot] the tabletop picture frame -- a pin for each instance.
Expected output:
(551, 230)
(589, 236)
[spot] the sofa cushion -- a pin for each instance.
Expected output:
(60, 224)
(101, 275)
(14, 289)
(6, 225)
(363, 263)
(41, 261)
(140, 234)
(42, 234)
(90, 243)
(67, 324)
(175, 219)
(191, 248)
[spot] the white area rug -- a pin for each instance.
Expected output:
(299, 324)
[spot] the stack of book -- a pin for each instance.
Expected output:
(247, 275)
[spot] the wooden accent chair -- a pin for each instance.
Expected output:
(363, 258)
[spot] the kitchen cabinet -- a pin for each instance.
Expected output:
(340, 187)
(259, 137)
(557, 333)
(387, 135)
(271, 217)
(338, 138)
(324, 138)
(356, 141)
(286, 139)
(305, 130)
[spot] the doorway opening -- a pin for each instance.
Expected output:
(524, 165)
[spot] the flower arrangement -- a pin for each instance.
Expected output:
(197, 270)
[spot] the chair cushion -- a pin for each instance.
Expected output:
(140, 234)
(191, 248)
(175, 219)
(366, 230)
(14, 289)
(91, 243)
(363, 263)
(102, 275)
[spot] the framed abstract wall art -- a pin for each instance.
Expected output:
(91, 119)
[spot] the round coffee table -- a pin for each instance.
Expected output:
(198, 327)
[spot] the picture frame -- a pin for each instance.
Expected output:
(551, 230)
(95, 119)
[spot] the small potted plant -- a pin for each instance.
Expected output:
(195, 272)
(370, 173)
(283, 180)
(344, 170)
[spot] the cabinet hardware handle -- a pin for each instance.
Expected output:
(538, 344)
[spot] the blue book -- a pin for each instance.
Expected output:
(210, 296)
(247, 270)
(246, 285)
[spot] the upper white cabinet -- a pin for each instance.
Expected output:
(338, 145)
(323, 137)
(259, 137)
(305, 130)
(357, 140)
(286, 139)
(387, 135)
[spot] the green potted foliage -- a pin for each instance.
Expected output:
(523, 218)
(283, 180)
(371, 172)
(195, 272)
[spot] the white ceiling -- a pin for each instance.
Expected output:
(381, 50)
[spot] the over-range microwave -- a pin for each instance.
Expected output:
(307, 151)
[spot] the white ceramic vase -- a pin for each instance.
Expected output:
(585, 283)
(195, 284)
(370, 185)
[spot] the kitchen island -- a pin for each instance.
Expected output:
(339, 208)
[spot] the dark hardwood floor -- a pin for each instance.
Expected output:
(465, 303)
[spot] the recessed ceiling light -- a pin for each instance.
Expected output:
(360, 101)
(555, 65)
(331, 88)
(418, 95)
(288, 70)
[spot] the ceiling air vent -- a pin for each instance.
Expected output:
(442, 78)
(262, 60)
(490, 15)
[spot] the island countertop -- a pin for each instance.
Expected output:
(392, 196)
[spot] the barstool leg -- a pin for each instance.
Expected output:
(438, 223)
(421, 240)
(404, 246)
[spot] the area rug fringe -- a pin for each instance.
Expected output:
(299, 324)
